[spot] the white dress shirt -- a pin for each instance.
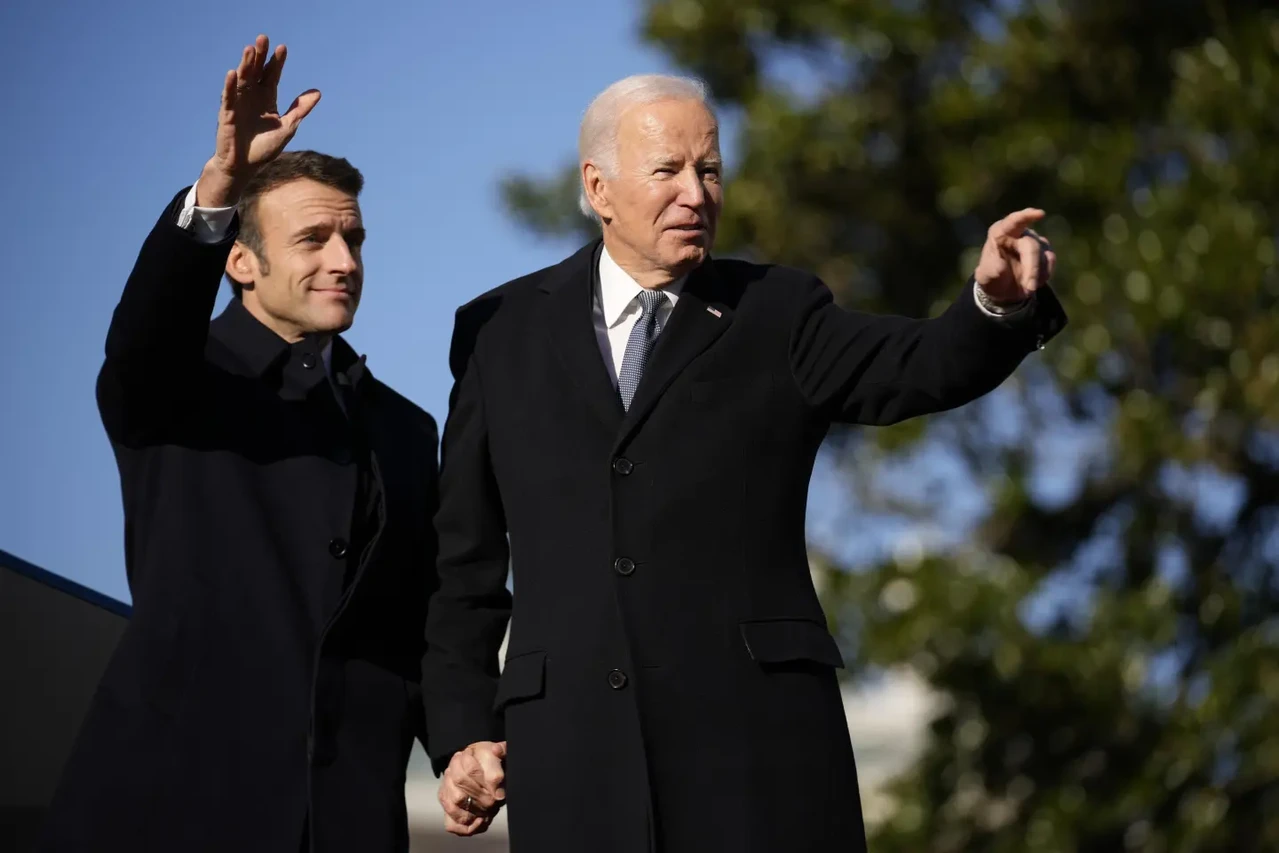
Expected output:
(209, 225)
(617, 310)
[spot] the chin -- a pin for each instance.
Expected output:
(688, 257)
(333, 322)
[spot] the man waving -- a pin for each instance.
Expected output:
(277, 502)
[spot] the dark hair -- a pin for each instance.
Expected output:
(290, 166)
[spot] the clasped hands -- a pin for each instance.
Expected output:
(473, 788)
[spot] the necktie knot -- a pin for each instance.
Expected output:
(650, 300)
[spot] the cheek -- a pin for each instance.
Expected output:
(654, 201)
(715, 197)
(305, 268)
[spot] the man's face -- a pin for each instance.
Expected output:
(663, 204)
(311, 276)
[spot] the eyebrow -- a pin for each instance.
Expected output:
(306, 231)
(674, 161)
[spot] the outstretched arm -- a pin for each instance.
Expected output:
(868, 369)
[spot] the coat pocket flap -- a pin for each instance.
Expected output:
(522, 678)
(781, 640)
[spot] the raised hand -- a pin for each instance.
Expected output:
(251, 129)
(473, 788)
(1015, 260)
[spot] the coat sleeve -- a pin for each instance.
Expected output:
(467, 616)
(877, 369)
(156, 340)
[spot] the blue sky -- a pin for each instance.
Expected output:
(110, 110)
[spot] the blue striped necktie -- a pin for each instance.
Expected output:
(639, 345)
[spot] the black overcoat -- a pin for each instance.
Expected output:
(280, 555)
(670, 682)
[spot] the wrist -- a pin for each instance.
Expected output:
(995, 305)
(217, 187)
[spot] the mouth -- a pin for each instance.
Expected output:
(697, 228)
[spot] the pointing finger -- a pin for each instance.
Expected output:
(1012, 226)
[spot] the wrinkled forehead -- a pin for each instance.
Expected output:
(307, 202)
(684, 127)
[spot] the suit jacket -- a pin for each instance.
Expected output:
(280, 558)
(669, 682)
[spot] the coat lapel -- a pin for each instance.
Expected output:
(697, 322)
(571, 330)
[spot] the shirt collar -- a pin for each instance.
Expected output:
(618, 290)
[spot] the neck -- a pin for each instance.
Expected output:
(291, 332)
(645, 274)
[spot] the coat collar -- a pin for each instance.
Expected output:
(261, 350)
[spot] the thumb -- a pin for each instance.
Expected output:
(301, 107)
(499, 749)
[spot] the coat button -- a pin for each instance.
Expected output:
(337, 548)
(308, 361)
(617, 679)
(624, 566)
(623, 466)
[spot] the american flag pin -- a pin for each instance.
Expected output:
(713, 310)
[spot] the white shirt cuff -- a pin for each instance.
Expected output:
(208, 224)
(995, 310)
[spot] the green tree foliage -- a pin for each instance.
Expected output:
(1103, 627)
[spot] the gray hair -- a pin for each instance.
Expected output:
(597, 139)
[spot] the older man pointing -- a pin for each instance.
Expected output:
(633, 430)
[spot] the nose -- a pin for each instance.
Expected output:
(692, 191)
(341, 260)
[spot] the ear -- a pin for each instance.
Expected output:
(596, 190)
(242, 265)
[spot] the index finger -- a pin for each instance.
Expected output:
(1015, 224)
